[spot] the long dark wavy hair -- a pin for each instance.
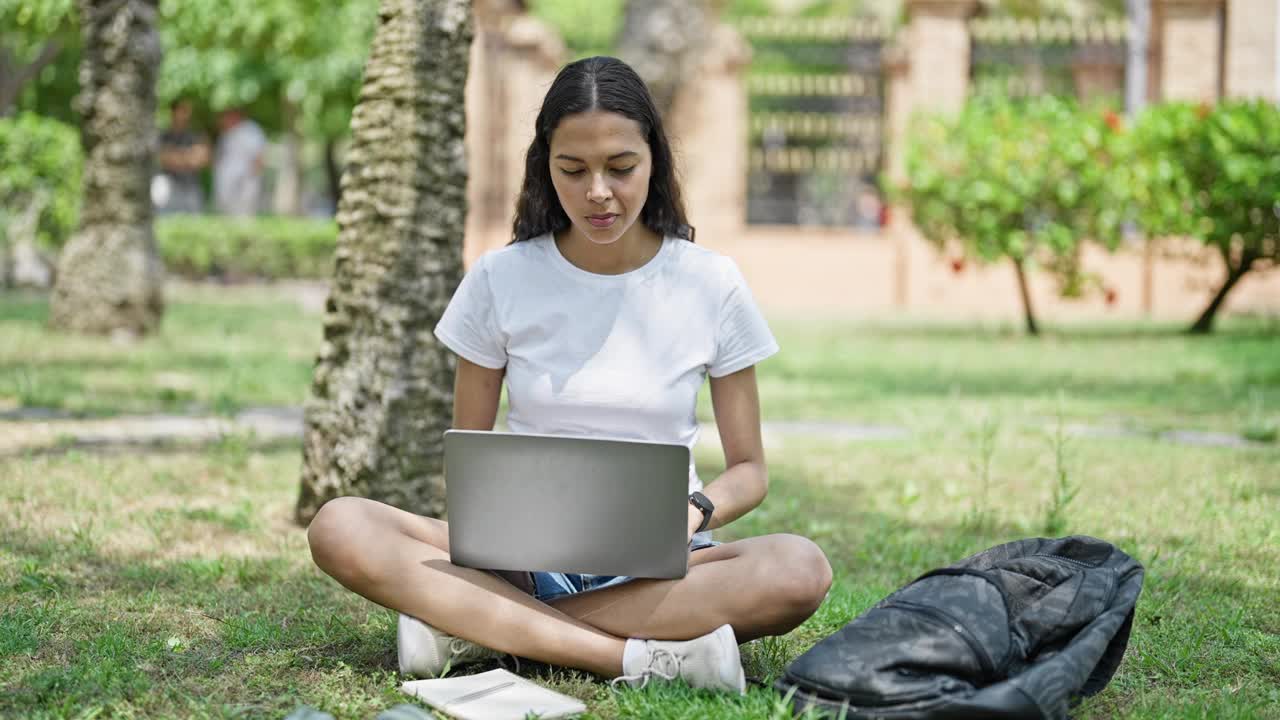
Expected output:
(598, 83)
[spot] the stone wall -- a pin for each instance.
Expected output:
(1252, 59)
(1188, 45)
(838, 273)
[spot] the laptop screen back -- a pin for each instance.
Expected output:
(563, 504)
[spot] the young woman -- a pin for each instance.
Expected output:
(604, 318)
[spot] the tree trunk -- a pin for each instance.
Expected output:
(662, 40)
(382, 394)
(1204, 324)
(109, 277)
(1018, 265)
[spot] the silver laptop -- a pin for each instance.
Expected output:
(567, 504)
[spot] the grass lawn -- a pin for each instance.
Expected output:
(175, 584)
(219, 350)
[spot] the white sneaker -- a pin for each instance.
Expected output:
(425, 651)
(710, 662)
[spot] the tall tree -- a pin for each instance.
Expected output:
(1213, 174)
(663, 40)
(1027, 181)
(109, 273)
(35, 34)
(382, 395)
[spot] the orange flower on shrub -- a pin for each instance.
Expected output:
(1113, 121)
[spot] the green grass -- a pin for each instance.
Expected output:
(1148, 377)
(222, 349)
(218, 350)
(176, 585)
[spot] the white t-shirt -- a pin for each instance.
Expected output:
(615, 356)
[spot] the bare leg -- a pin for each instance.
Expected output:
(401, 561)
(762, 586)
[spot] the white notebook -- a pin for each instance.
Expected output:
(494, 695)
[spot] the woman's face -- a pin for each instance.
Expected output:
(600, 167)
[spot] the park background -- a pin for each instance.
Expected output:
(152, 553)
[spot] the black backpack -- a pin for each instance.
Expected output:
(1017, 631)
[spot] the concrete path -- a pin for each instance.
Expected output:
(22, 433)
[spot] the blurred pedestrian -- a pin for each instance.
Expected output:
(237, 170)
(184, 153)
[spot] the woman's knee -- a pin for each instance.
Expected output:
(331, 533)
(802, 575)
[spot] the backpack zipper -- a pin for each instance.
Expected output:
(945, 618)
(1070, 561)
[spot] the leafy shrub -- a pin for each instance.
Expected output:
(1212, 173)
(1023, 180)
(263, 247)
(40, 156)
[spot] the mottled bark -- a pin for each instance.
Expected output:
(663, 41)
(382, 395)
(109, 276)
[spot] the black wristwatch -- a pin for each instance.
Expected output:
(705, 506)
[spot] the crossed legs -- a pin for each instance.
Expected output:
(761, 586)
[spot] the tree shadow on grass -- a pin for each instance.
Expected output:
(116, 614)
(233, 443)
(128, 385)
(200, 362)
(111, 617)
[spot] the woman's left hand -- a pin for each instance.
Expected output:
(695, 519)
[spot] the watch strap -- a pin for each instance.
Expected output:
(704, 504)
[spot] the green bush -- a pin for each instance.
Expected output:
(40, 155)
(261, 247)
(1023, 180)
(1212, 173)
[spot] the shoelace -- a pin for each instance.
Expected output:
(467, 650)
(653, 670)
(464, 649)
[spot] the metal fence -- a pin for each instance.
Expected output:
(816, 94)
(1084, 59)
(817, 101)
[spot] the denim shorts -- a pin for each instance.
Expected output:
(549, 586)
